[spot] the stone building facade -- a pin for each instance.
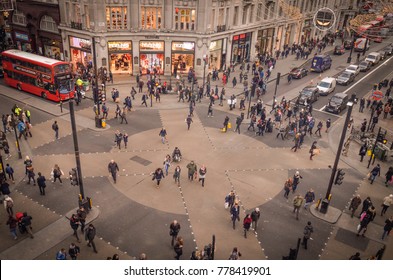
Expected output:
(132, 36)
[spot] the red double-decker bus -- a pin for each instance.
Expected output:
(46, 77)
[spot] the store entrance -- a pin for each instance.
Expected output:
(153, 62)
(120, 63)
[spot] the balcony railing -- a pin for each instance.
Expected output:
(76, 25)
(221, 28)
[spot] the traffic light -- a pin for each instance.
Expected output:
(101, 96)
(339, 177)
(381, 137)
(74, 177)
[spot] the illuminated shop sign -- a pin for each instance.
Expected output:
(21, 36)
(80, 43)
(119, 46)
(151, 46)
(183, 46)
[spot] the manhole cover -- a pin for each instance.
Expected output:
(140, 160)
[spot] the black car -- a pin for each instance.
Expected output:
(339, 50)
(298, 72)
(364, 66)
(337, 103)
(308, 95)
(347, 44)
(345, 78)
(389, 50)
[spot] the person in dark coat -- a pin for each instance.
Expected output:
(366, 204)
(174, 230)
(41, 183)
(355, 202)
(235, 212)
(90, 234)
(226, 122)
(308, 229)
(158, 175)
(74, 223)
(255, 215)
(178, 248)
(112, 169)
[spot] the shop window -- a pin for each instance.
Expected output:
(185, 19)
(151, 17)
(116, 18)
(19, 18)
(48, 24)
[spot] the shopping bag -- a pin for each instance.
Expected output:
(229, 125)
(316, 151)
(358, 228)
(226, 205)
(369, 152)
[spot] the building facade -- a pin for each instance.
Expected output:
(170, 36)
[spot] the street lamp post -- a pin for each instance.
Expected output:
(325, 202)
(350, 53)
(204, 74)
(16, 139)
(275, 90)
(95, 88)
(76, 148)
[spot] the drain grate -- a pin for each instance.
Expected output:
(140, 160)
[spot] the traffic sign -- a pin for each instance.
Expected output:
(377, 95)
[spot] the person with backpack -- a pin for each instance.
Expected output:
(61, 255)
(365, 219)
(230, 200)
(55, 128)
(8, 204)
(57, 173)
(22, 129)
(74, 223)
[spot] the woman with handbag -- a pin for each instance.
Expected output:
(313, 149)
(202, 174)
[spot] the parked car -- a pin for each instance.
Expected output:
(337, 103)
(389, 50)
(345, 78)
(364, 66)
(373, 57)
(347, 44)
(353, 69)
(383, 53)
(298, 72)
(326, 86)
(308, 95)
(339, 50)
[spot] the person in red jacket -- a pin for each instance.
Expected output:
(247, 224)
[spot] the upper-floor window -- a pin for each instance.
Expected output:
(151, 17)
(185, 19)
(48, 24)
(236, 16)
(116, 18)
(245, 10)
(19, 18)
(76, 13)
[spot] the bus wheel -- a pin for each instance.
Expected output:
(43, 95)
(19, 87)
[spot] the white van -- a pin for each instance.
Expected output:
(373, 57)
(326, 86)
